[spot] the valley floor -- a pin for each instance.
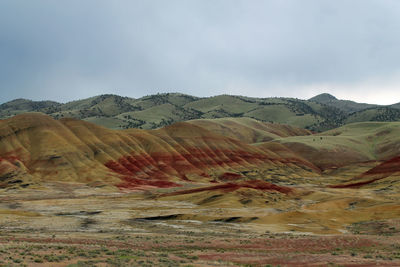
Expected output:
(76, 225)
(180, 248)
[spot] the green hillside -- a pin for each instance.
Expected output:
(319, 113)
(375, 114)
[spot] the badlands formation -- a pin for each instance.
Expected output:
(224, 191)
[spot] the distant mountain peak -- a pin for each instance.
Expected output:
(323, 97)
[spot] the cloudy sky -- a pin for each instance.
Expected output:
(66, 50)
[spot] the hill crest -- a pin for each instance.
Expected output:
(324, 97)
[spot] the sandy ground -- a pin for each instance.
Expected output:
(76, 225)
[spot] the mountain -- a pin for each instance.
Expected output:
(346, 106)
(360, 112)
(320, 113)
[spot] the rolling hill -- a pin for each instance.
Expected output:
(319, 113)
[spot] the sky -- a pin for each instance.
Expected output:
(68, 50)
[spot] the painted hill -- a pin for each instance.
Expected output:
(36, 148)
(319, 113)
(239, 170)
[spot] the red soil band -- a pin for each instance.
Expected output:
(354, 185)
(383, 170)
(129, 182)
(10, 159)
(229, 187)
(192, 160)
(229, 176)
(387, 167)
(265, 186)
(157, 168)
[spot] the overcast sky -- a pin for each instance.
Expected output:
(66, 50)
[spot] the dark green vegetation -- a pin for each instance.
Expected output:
(319, 113)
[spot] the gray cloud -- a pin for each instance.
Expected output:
(64, 50)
